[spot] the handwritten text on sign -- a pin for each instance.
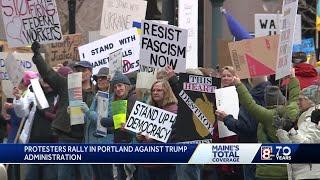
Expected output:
(29, 21)
(151, 121)
(163, 45)
(98, 51)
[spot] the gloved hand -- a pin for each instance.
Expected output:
(315, 116)
(84, 107)
(35, 47)
(277, 122)
(282, 123)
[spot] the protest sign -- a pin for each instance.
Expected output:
(102, 110)
(117, 15)
(98, 51)
(24, 60)
(27, 127)
(29, 21)
(227, 101)
(145, 80)
(254, 57)
(119, 113)
(268, 24)
(287, 23)
(224, 58)
(115, 62)
(67, 50)
(163, 45)
(7, 88)
(195, 118)
(38, 92)
(14, 70)
(188, 19)
(306, 46)
(75, 98)
(150, 121)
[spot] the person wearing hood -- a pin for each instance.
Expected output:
(276, 106)
(305, 73)
(122, 90)
(308, 132)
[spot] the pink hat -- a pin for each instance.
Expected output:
(64, 71)
(29, 75)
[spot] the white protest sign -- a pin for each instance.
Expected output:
(102, 111)
(287, 23)
(163, 45)
(268, 24)
(29, 21)
(145, 80)
(227, 101)
(26, 131)
(38, 92)
(14, 70)
(151, 121)
(115, 62)
(98, 51)
(117, 15)
(75, 98)
(7, 88)
(188, 19)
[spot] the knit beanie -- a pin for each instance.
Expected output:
(119, 78)
(312, 93)
(64, 71)
(273, 96)
(299, 57)
(27, 76)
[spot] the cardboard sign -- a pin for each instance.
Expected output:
(29, 21)
(163, 45)
(254, 57)
(151, 121)
(119, 113)
(188, 19)
(58, 53)
(195, 118)
(14, 70)
(38, 92)
(268, 24)
(287, 24)
(24, 60)
(115, 62)
(98, 51)
(117, 15)
(102, 111)
(224, 58)
(227, 101)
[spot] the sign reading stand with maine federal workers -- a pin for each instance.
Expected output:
(163, 45)
(151, 121)
(29, 21)
(97, 52)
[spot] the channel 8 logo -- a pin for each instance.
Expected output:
(266, 152)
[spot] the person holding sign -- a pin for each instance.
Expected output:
(122, 102)
(276, 108)
(61, 125)
(163, 98)
(93, 133)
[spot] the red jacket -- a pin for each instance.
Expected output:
(305, 73)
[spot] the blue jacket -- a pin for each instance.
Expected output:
(91, 118)
(246, 126)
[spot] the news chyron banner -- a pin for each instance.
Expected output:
(159, 153)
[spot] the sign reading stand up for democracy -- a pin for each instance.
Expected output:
(31, 20)
(151, 121)
(163, 45)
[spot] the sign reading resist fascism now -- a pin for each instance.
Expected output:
(29, 21)
(151, 121)
(98, 51)
(163, 45)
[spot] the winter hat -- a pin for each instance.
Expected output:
(103, 72)
(120, 78)
(273, 96)
(312, 93)
(64, 71)
(299, 57)
(27, 76)
(85, 64)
